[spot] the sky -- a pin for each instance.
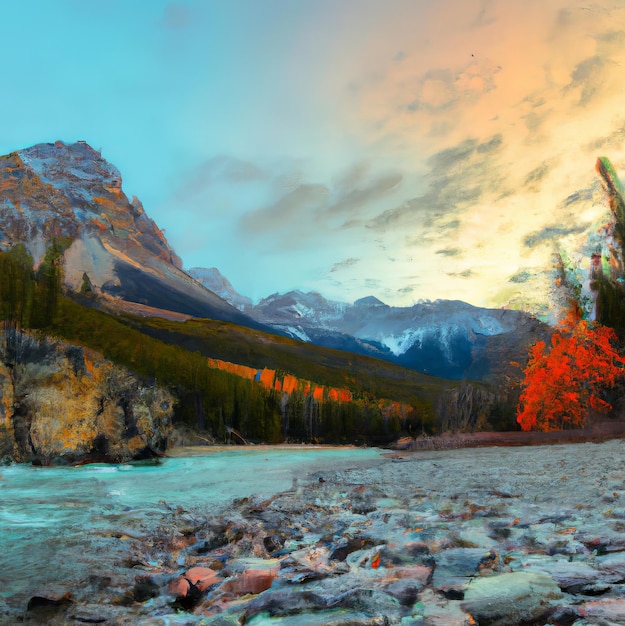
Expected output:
(410, 150)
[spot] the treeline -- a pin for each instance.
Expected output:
(208, 400)
(216, 401)
(29, 297)
(607, 274)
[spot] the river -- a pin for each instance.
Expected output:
(56, 521)
(349, 536)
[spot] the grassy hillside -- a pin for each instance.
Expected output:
(175, 354)
(238, 344)
(333, 396)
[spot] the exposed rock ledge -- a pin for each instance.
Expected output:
(64, 403)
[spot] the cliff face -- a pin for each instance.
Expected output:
(64, 401)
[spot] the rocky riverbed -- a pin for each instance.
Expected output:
(497, 536)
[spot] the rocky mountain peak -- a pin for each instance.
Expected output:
(214, 280)
(55, 191)
(76, 163)
(69, 194)
(369, 301)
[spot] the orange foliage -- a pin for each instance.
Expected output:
(392, 408)
(267, 377)
(563, 381)
(233, 368)
(290, 383)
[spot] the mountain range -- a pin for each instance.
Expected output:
(83, 264)
(445, 338)
(68, 193)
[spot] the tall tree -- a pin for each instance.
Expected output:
(16, 286)
(565, 381)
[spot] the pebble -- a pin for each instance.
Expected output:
(496, 538)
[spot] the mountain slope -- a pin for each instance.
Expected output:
(67, 193)
(216, 282)
(446, 338)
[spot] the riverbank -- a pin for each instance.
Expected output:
(203, 450)
(597, 433)
(439, 537)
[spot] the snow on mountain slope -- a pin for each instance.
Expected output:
(444, 338)
(214, 280)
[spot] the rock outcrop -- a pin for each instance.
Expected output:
(64, 403)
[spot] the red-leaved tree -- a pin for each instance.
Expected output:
(563, 381)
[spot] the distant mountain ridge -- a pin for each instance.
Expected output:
(69, 194)
(216, 282)
(446, 338)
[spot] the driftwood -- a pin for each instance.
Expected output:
(237, 437)
(597, 432)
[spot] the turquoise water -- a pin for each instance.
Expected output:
(55, 521)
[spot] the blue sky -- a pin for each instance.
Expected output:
(410, 150)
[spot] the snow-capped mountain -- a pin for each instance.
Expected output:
(445, 338)
(68, 194)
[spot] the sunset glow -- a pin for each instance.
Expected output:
(404, 149)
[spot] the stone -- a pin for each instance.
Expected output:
(511, 598)
(332, 617)
(44, 602)
(348, 545)
(370, 601)
(145, 588)
(283, 602)
(179, 587)
(432, 609)
(573, 576)
(456, 567)
(273, 543)
(202, 577)
(48, 608)
(255, 581)
(405, 591)
(605, 611)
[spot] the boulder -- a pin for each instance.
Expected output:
(254, 581)
(456, 567)
(604, 611)
(201, 577)
(514, 598)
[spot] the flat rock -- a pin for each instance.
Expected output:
(456, 567)
(605, 611)
(512, 598)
